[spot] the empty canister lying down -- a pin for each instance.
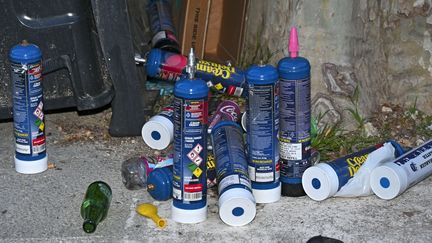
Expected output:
(158, 132)
(324, 180)
(237, 205)
(393, 178)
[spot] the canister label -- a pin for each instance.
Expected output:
(29, 125)
(294, 137)
(417, 163)
(231, 163)
(263, 128)
(347, 166)
(189, 180)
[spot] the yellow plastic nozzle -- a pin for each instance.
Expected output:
(150, 211)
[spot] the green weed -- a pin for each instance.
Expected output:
(355, 111)
(413, 108)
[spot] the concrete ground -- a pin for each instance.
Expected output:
(46, 207)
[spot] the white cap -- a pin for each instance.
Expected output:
(243, 121)
(188, 216)
(237, 207)
(267, 195)
(320, 181)
(31, 167)
(158, 132)
(388, 181)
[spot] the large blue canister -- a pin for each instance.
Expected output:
(190, 151)
(295, 119)
(28, 115)
(236, 202)
(263, 126)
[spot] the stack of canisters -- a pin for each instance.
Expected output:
(278, 141)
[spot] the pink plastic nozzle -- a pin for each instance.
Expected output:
(293, 46)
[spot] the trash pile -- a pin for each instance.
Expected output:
(254, 157)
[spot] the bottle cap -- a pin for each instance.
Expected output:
(158, 132)
(237, 207)
(32, 166)
(267, 195)
(320, 181)
(189, 216)
(387, 182)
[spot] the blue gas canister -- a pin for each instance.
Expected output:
(159, 183)
(171, 66)
(236, 201)
(263, 126)
(161, 25)
(295, 119)
(190, 148)
(28, 115)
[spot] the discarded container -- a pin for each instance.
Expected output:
(236, 203)
(95, 206)
(161, 25)
(150, 211)
(226, 111)
(171, 66)
(393, 178)
(159, 183)
(28, 114)
(263, 126)
(324, 180)
(295, 119)
(190, 148)
(158, 132)
(135, 171)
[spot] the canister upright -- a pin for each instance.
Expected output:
(263, 126)
(190, 148)
(28, 104)
(295, 118)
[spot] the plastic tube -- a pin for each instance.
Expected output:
(324, 180)
(393, 178)
(158, 132)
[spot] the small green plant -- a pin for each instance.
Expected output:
(325, 136)
(413, 108)
(355, 111)
(332, 141)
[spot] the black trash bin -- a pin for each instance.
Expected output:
(87, 57)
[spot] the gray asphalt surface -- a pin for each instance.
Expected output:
(46, 207)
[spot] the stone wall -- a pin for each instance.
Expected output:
(382, 47)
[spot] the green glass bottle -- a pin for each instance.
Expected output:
(95, 206)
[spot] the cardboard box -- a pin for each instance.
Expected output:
(215, 28)
(193, 26)
(224, 40)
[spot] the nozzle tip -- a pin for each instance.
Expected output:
(293, 46)
(190, 68)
